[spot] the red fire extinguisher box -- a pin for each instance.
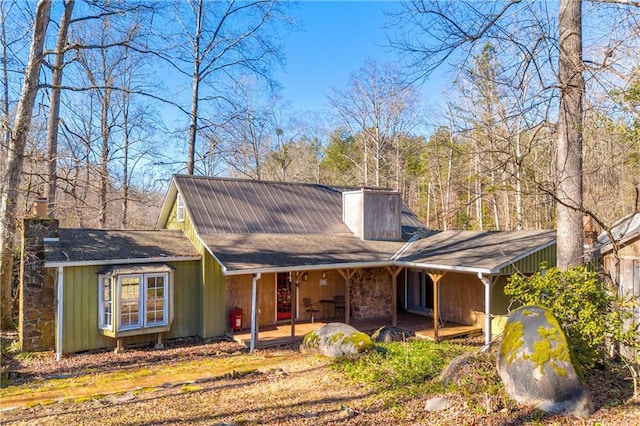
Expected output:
(235, 319)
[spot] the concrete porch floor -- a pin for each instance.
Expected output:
(422, 325)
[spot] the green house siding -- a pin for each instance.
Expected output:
(80, 317)
(80, 301)
(212, 303)
(531, 264)
(213, 298)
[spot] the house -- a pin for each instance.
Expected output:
(264, 247)
(620, 251)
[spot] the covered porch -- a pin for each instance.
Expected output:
(423, 326)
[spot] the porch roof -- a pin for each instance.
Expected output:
(250, 253)
(462, 251)
(76, 247)
(474, 251)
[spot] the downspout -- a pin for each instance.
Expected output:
(254, 311)
(59, 321)
(487, 310)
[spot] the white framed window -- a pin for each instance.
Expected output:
(105, 305)
(155, 300)
(179, 208)
(129, 302)
(135, 298)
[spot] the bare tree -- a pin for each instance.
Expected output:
(15, 154)
(54, 104)
(375, 107)
(225, 40)
(456, 28)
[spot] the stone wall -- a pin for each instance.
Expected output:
(371, 293)
(36, 326)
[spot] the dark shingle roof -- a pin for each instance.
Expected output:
(254, 252)
(473, 250)
(103, 246)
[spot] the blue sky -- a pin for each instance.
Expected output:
(335, 39)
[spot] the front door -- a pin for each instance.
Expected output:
(283, 296)
(419, 291)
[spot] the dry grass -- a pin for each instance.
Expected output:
(218, 382)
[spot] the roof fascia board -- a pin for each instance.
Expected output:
(208, 249)
(497, 269)
(623, 242)
(439, 267)
(166, 205)
(121, 261)
(324, 267)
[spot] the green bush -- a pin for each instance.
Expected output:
(588, 310)
(392, 366)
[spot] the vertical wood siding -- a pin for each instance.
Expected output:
(80, 299)
(531, 264)
(213, 298)
(461, 299)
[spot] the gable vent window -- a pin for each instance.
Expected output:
(180, 209)
(135, 299)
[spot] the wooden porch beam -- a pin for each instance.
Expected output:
(294, 298)
(347, 274)
(436, 277)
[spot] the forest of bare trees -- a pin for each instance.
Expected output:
(122, 95)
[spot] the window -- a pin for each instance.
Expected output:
(130, 301)
(180, 209)
(137, 297)
(156, 304)
(105, 320)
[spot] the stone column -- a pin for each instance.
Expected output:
(36, 326)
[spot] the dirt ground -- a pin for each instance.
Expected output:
(283, 387)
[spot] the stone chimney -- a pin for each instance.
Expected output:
(373, 214)
(36, 325)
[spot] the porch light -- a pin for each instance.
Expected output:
(323, 280)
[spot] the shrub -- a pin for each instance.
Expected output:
(588, 310)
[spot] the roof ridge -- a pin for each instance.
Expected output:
(234, 179)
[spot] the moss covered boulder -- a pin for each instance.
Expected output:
(534, 363)
(335, 340)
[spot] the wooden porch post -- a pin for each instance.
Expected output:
(394, 271)
(347, 274)
(436, 277)
(294, 301)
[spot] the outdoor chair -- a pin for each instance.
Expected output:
(309, 308)
(339, 307)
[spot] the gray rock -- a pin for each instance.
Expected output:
(437, 404)
(535, 365)
(389, 334)
(335, 340)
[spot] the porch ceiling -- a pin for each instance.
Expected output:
(248, 253)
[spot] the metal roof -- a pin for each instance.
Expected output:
(101, 247)
(624, 231)
(241, 206)
(474, 251)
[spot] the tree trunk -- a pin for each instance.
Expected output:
(195, 96)
(569, 155)
(54, 104)
(15, 156)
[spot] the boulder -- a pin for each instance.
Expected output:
(534, 363)
(389, 334)
(335, 340)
